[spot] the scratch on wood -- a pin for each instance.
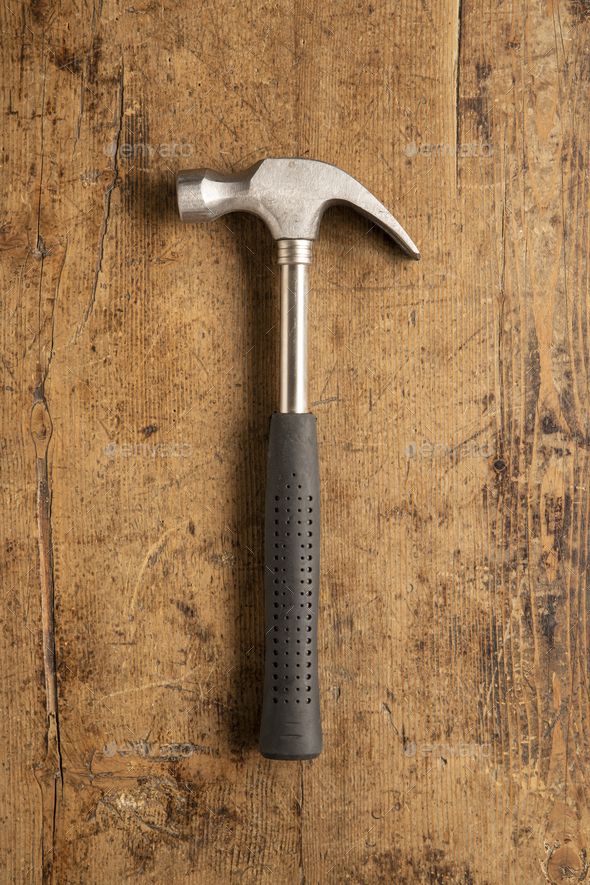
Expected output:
(150, 559)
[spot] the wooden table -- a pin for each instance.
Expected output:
(140, 369)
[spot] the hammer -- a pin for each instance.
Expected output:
(290, 195)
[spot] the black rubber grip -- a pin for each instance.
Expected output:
(291, 726)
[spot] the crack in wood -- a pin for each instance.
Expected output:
(108, 193)
(458, 87)
(50, 774)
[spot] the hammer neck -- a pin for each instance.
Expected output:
(294, 258)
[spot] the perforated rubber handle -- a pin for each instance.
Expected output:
(291, 726)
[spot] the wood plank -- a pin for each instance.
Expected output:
(140, 364)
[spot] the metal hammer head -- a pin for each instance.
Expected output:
(290, 195)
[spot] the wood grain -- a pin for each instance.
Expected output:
(140, 368)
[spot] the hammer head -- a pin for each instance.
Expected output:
(290, 195)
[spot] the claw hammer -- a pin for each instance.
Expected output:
(290, 195)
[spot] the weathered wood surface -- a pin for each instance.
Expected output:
(139, 364)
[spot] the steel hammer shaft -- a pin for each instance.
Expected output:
(294, 258)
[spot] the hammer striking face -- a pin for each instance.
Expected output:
(290, 195)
